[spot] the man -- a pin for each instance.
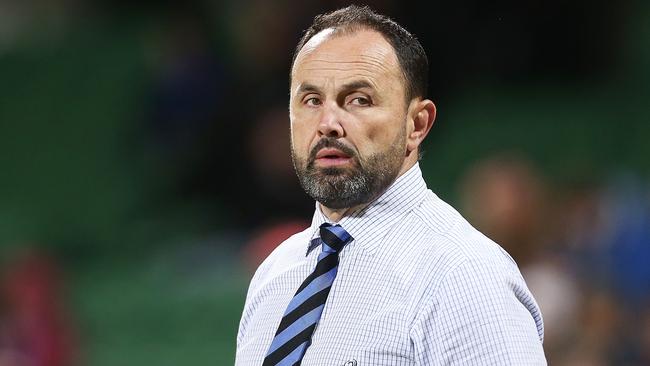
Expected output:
(387, 274)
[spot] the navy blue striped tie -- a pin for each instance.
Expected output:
(299, 321)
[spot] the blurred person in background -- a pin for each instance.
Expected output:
(11, 352)
(35, 328)
(504, 196)
(411, 281)
(607, 236)
(186, 96)
(507, 198)
(583, 250)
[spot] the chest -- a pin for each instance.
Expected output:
(366, 319)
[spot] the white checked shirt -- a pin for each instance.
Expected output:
(418, 285)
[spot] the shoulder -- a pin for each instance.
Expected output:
(289, 251)
(451, 255)
(447, 237)
(464, 266)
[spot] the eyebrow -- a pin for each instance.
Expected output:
(307, 88)
(357, 84)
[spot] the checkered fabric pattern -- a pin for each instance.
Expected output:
(418, 285)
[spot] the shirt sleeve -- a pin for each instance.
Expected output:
(481, 313)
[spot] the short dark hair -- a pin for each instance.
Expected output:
(410, 54)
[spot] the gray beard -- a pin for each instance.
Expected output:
(338, 188)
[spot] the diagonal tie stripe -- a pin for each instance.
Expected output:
(318, 285)
(295, 356)
(313, 302)
(324, 265)
(297, 326)
(274, 358)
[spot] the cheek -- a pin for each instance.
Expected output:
(300, 138)
(376, 134)
(379, 136)
(304, 129)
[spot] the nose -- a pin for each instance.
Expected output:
(329, 124)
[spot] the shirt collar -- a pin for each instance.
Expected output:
(368, 225)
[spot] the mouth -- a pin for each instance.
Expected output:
(329, 157)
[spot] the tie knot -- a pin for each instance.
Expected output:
(334, 237)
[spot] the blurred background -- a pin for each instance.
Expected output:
(145, 168)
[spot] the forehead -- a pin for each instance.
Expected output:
(362, 53)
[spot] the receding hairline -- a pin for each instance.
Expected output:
(349, 30)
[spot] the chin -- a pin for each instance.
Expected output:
(333, 171)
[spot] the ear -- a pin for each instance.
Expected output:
(421, 115)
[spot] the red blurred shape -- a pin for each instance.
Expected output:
(37, 331)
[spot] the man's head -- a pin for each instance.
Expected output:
(357, 107)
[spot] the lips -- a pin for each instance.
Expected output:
(331, 153)
(331, 157)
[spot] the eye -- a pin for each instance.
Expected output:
(312, 101)
(361, 101)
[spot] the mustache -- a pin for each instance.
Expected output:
(331, 143)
